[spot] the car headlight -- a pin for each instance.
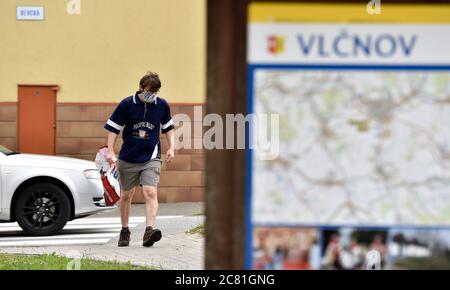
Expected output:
(92, 174)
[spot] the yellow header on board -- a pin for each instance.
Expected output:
(345, 12)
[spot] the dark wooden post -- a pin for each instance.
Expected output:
(226, 94)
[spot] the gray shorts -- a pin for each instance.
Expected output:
(134, 174)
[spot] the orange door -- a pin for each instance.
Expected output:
(37, 119)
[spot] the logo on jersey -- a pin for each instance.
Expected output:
(143, 125)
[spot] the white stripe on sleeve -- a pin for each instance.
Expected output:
(155, 152)
(114, 125)
(165, 126)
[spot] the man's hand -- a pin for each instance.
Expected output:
(170, 155)
(111, 158)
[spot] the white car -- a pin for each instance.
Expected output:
(42, 193)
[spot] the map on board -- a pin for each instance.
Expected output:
(356, 147)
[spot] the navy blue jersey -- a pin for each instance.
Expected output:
(141, 124)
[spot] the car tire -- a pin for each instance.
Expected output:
(42, 209)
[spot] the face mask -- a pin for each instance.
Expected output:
(149, 97)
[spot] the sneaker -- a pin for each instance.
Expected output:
(124, 239)
(151, 236)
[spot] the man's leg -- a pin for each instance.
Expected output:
(151, 234)
(125, 205)
(151, 204)
(149, 181)
(129, 179)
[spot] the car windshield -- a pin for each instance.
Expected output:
(7, 151)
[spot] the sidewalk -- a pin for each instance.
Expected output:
(176, 250)
(165, 209)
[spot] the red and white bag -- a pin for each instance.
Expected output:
(109, 176)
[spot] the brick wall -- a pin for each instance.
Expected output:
(8, 125)
(79, 134)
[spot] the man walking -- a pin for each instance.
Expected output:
(140, 116)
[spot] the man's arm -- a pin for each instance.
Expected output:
(111, 154)
(168, 129)
(114, 125)
(170, 136)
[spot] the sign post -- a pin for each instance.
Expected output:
(364, 121)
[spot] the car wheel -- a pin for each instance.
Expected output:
(42, 209)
